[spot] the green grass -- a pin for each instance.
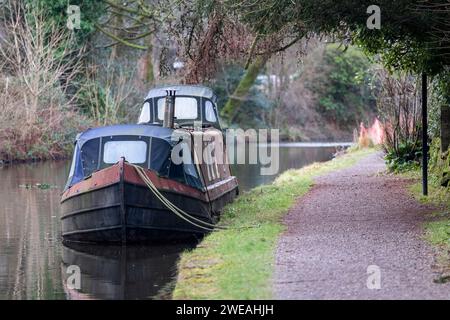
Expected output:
(437, 232)
(439, 197)
(238, 263)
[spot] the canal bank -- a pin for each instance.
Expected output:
(238, 263)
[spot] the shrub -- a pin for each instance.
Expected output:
(342, 85)
(38, 120)
(404, 157)
(104, 93)
(399, 105)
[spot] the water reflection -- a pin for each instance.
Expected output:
(29, 232)
(290, 155)
(122, 272)
(33, 260)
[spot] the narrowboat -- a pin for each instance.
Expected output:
(165, 178)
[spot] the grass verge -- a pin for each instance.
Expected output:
(437, 232)
(238, 263)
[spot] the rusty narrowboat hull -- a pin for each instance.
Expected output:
(115, 205)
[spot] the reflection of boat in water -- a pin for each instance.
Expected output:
(121, 272)
(124, 184)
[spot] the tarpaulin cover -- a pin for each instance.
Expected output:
(87, 157)
(126, 130)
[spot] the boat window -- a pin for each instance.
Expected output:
(89, 156)
(74, 160)
(185, 108)
(210, 115)
(145, 113)
(133, 151)
(160, 156)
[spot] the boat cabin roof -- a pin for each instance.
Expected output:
(125, 130)
(183, 90)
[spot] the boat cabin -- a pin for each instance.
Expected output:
(193, 104)
(147, 146)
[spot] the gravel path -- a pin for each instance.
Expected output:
(351, 219)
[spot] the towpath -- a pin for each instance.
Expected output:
(350, 220)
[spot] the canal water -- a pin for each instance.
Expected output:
(34, 262)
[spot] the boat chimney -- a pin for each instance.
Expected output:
(169, 110)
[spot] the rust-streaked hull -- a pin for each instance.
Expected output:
(114, 205)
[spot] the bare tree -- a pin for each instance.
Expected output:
(399, 105)
(38, 67)
(106, 103)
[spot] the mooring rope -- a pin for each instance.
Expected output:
(179, 212)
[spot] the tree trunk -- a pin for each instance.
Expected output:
(117, 22)
(445, 127)
(233, 104)
(145, 66)
(149, 75)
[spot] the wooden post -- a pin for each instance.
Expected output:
(424, 136)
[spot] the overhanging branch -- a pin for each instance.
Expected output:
(120, 40)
